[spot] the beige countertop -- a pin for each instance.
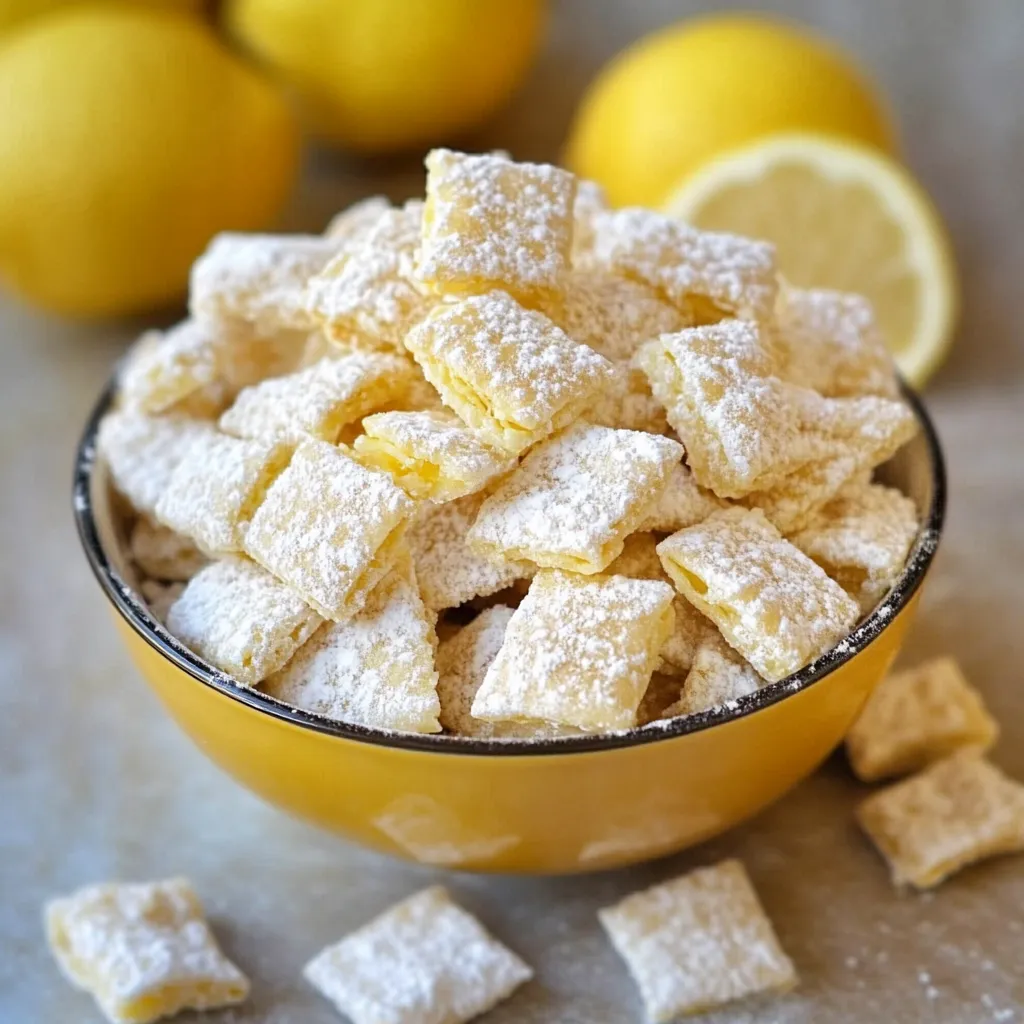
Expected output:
(96, 783)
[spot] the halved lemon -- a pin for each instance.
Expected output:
(842, 216)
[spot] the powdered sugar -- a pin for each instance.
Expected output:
(682, 502)
(164, 368)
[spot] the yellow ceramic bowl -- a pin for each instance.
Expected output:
(562, 805)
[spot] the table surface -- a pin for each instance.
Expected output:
(96, 783)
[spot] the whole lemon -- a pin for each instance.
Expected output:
(15, 12)
(382, 75)
(686, 93)
(128, 138)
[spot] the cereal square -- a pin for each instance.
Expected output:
(682, 502)
(575, 498)
(697, 942)
(915, 717)
(215, 489)
(376, 669)
(319, 400)
(431, 455)
(509, 373)
(241, 619)
(702, 272)
(491, 223)
(142, 950)
(166, 367)
(717, 676)
(329, 528)
(356, 221)
(579, 652)
(449, 572)
(771, 602)
(424, 961)
(245, 357)
(958, 811)
(163, 554)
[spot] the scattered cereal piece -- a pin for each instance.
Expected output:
(491, 223)
(718, 274)
(319, 400)
(578, 652)
(682, 503)
(575, 498)
(163, 368)
(449, 572)
(355, 222)
(258, 280)
(160, 597)
(958, 811)
(916, 717)
(376, 669)
(697, 942)
(215, 489)
(143, 951)
(429, 454)
(424, 961)
(239, 618)
(717, 676)
(590, 202)
(771, 602)
(329, 528)
(162, 553)
(510, 374)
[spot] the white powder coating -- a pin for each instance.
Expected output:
(424, 961)
(238, 617)
(213, 491)
(830, 342)
(163, 554)
(319, 400)
(697, 942)
(376, 669)
(861, 539)
(142, 950)
(626, 403)
(509, 373)
(142, 452)
(355, 222)
(682, 502)
(771, 602)
(368, 288)
(579, 652)
(575, 498)
(958, 811)
(491, 223)
(689, 267)
(916, 717)
(160, 597)
(259, 280)
(449, 572)
(328, 527)
(590, 201)
(717, 676)
(430, 453)
(245, 357)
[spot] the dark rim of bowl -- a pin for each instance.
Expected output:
(135, 612)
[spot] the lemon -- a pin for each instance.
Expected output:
(841, 216)
(683, 94)
(383, 75)
(128, 138)
(16, 12)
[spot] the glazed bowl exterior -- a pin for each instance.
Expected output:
(555, 806)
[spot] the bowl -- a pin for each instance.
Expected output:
(563, 805)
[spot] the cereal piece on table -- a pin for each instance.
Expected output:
(319, 400)
(491, 223)
(509, 373)
(575, 498)
(356, 221)
(713, 274)
(162, 553)
(241, 619)
(367, 290)
(960, 810)
(259, 280)
(423, 961)
(165, 367)
(916, 717)
(142, 452)
(717, 676)
(698, 941)
(627, 403)
(142, 950)
(329, 527)
(245, 357)
(429, 454)
(861, 539)
(589, 203)
(376, 669)
(831, 343)
(771, 602)
(215, 489)
(448, 571)
(160, 597)
(579, 652)
(682, 503)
